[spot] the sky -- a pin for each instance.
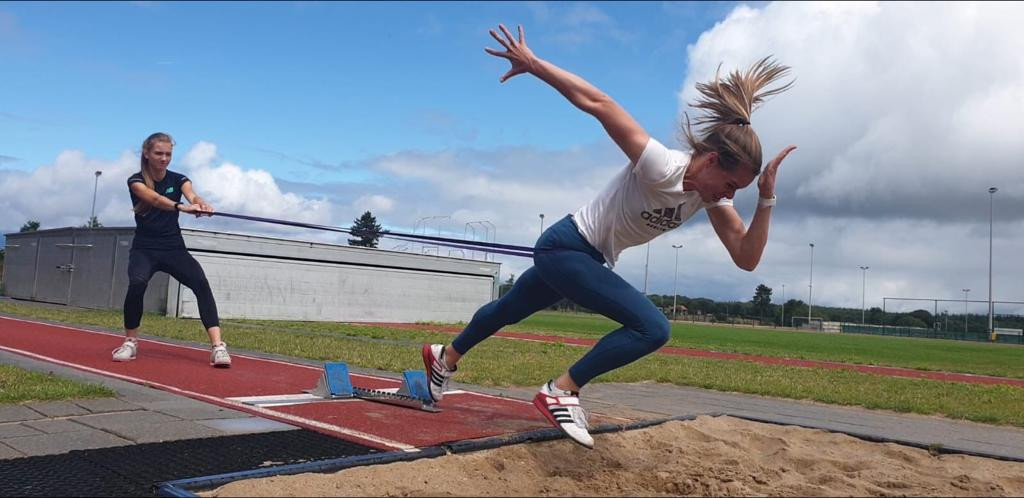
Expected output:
(903, 114)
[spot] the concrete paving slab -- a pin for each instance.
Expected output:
(18, 430)
(246, 425)
(18, 413)
(52, 444)
(111, 421)
(57, 408)
(107, 405)
(169, 431)
(189, 409)
(57, 426)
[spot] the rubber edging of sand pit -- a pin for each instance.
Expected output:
(185, 487)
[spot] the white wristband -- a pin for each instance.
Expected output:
(762, 202)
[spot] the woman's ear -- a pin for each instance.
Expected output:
(713, 158)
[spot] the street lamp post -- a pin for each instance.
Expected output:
(675, 278)
(991, 192)
(541, 223)
(864, 281)
(810, 287)
(96, 182)
(965, 291)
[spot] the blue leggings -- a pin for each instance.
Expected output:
(566, 265)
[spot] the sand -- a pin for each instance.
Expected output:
(708, 456)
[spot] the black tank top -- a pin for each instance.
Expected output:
(156, 228)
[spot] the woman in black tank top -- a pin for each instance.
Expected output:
(156, 194)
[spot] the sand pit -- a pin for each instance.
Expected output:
(709, 456)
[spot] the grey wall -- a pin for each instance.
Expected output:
(76, 266)
(253, 277)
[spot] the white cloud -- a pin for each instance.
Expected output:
(373, 203)
(897, 104)
(904, 114)
(60, 194)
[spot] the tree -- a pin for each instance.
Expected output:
(762, 299)
(29, 226)
(924, 317)
(93, 223)
(366, 228)
(505, 287)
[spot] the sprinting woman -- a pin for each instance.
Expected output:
(658, 191)
(156, 194)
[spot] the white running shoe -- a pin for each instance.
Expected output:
(126, 351)
(440, 374)
(563, 410)
(219, 357)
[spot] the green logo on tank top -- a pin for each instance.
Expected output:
(169, 190)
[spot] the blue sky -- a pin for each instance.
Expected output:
(904, 113)
(282, 85)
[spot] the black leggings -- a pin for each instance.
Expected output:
(178, 263)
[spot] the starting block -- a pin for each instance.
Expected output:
(414, 393)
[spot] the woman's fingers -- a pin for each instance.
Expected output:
(500, 40)
(508, 35)
(497, 52)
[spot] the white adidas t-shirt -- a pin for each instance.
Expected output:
(642, 202)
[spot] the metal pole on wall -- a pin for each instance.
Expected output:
(991, 191)
(95, 185)
(863, 284)
(965, 291)
(675, 278)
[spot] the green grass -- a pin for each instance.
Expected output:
(1000, 360)
(22, 386)
(504, 362)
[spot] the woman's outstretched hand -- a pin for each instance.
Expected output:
(766, 182)
(516, 51)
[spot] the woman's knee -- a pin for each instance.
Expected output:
(656, 330)
(137, 285)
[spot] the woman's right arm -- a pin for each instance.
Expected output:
(621, 127)
(149, 196)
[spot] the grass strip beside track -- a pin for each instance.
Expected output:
(22, 386)
(534, 363)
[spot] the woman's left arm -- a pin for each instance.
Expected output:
(746, 246)
(193, 198)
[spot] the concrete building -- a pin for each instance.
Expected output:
(252, 277)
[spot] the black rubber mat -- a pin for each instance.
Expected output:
(133, 470)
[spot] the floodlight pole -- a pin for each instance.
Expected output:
(647, 264)
(675, 278)
(783, 305)
(810, 287)
(863, 284)
(991, 191)
(965, 291)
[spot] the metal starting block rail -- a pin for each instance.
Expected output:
(336, 384)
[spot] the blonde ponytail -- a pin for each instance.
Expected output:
(727, 106)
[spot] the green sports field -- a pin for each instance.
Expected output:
(507, 362)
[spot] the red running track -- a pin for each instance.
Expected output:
(186, 370)
(766, 360)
